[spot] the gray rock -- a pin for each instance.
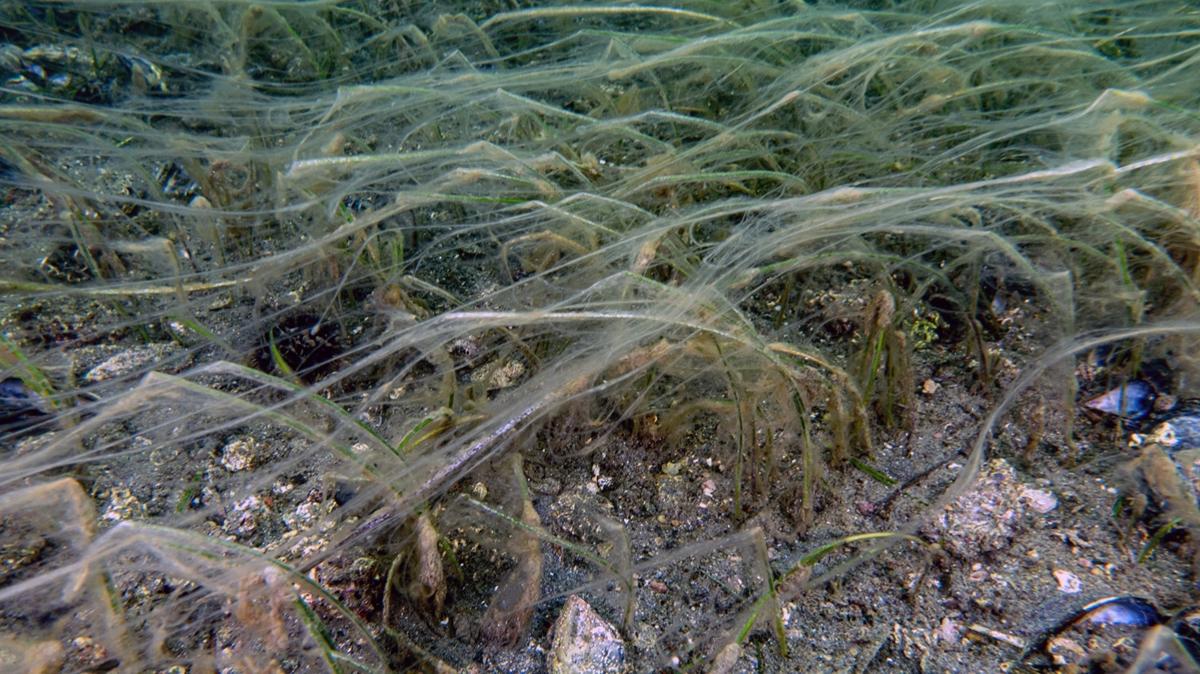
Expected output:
(584, 643)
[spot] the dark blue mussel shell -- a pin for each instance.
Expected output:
(21, 410)
(1132, 400)
(1120, 610)
(1116, 610)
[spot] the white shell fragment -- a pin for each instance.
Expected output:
(1039, 500)
(240, 454)
(128, 361)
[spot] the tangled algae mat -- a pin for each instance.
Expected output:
(360, 336)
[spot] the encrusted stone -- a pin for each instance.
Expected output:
(984, 518)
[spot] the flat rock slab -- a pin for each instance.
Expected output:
(584, 643)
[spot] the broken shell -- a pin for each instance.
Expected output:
(1175, 433)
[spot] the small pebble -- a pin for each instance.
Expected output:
(726, 659)
(1068, 583)
(949, 631)
(1064, 651)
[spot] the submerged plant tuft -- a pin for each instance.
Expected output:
(506, 302)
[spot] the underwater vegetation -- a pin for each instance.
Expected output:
(358, 336)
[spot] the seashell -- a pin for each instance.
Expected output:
(1176, 431)
(1120, 610)
(1132, 400)
(21, 409)
(1115, 610)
